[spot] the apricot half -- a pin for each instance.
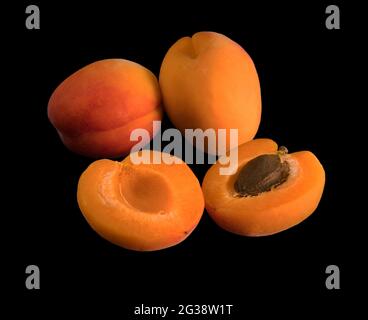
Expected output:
(209, 81)
(270, 192)
(143, 206)
(95, 109)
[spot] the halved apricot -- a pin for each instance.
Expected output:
(142, 206)
(271, 191)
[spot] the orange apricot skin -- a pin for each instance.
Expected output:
(105, 199)
(209, 81)
(270, 212)
(96, 108)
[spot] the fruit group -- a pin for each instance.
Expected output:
(141, 207)
(270, 192)
(209, 81)
(96, 108)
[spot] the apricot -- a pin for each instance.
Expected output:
(96, 108)
(270, 192)
(143, 206)
(209, 81)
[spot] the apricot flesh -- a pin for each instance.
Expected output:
(95, 109)
(141, 207)
(209, 81)
(268, 212)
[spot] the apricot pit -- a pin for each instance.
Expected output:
(261, 174)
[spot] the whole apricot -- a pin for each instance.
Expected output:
(96, 108)
(209, 81)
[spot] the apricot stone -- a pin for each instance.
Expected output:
(209, 81)
(270, 192)
(144, 206)
(96, 108)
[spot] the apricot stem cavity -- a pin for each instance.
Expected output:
(282, 151)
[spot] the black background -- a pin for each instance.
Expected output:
(306, 82)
